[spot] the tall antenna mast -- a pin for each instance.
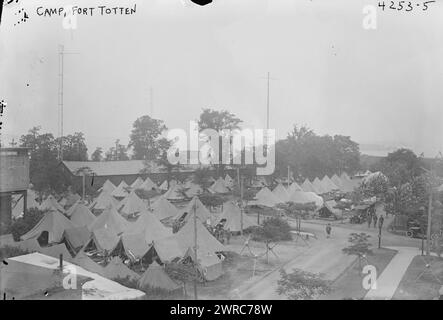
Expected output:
(61, 65)
(267, 105)
(151, 98)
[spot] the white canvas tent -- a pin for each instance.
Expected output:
(132, 204)
(330, 184)
(137, 183)
(302, 197)
(294, 187)
(175, 193)
(229, 182)
(234, 218)
(104, 200)
(108, 187)
(155, 277)
(148, 185)
(318, 186)
(202, 213)
(163, 209)
(281, 193)
(148, 225)
(80, 215)
(51, 204)
(219, 186)
(110, 219)
(120, 191)
(52, 222)
(205, 241)
(308, 187)
(265, 198)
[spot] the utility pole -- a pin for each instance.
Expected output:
(288, 176)
(151, 98)
(195, 248)
(242, 206)
(267, 105)
(61, 66)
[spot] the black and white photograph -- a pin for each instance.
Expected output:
(224, 150)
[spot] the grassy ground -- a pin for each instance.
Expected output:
(349, 285)
(419, 282)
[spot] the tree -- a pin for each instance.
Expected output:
(74, 147)
(202, 177)
(146, 140)
(297, 211)
(400, 166)
(302, 285)
(97, 155)
(359, 246)
(273, 229)
(43, 161)
(218, 121)
(117, 153)
(309, 155)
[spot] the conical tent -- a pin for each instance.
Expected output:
(308, 187)
(103, 201)
(201, 212)
(132, 204)
(163, 209)
(80, 215)
(294, 187)
(331, 185)
(75, 239)
(117, 269)
(205, 241)
(344, 176)
(120, 191)
(134, 246)
(167, 249)
(148, 225)
(164, 185)
(82, 260)
(302, 197)
(51, 204)
(229, 182)
(337, 181)
(266, 198)
(110, 219)
(148, 185)
(103, 240)
(174, 193)
(219, 186)
(325, 186)
(137, 183)
(155, 277)
(281, 193)
(234, 220)
(318, 186)
(193, 189)
(108, 186)
(52, 222)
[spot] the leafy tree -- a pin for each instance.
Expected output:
(218, 121)
(146, 140)
(24, 224)
(97, 155)
(273, 229)
(43, 161)
(297, 211)
(309, 155)
(302, 285)
(117, 153)
(74, 147)
(359, 246)
(400, 166)
(375, 185)
(202, 177)
(211, 200)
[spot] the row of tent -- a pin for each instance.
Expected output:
(307, 192)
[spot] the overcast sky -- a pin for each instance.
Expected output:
(380, 86)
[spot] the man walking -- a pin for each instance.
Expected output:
(328, 230)
(375, 220)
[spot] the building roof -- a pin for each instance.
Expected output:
(122, 168)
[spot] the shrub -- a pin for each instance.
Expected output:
(273, 229)
(8, 252)
(26, 223)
